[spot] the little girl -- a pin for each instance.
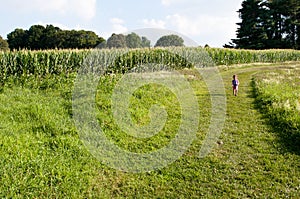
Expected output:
(235, 85)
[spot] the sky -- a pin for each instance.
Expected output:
(211, 22)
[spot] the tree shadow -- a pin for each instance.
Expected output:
(288, 137)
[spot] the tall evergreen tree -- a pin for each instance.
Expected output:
(268, 24)
(251, 34)
(292, 23)
(277, 12)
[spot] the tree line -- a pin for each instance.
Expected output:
(38, 37)
(132, 40)
(267, 24)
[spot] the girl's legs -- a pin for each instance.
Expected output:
(236, 91)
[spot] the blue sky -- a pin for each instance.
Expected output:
(211, 22)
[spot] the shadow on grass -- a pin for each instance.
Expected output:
(288, 137)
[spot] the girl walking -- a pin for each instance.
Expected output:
(235, 85)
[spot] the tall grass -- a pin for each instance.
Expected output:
(278, 93)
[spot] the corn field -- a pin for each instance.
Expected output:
(26, 63)
(233, 56)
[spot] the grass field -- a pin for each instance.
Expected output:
(278, 92)
(43, 157)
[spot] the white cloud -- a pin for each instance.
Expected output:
(85, 9)
(61, 26)
(169, 2)
(166, 2)
(152, 23)
(118, 25)
(119, 28)
(219, 30)
(214, 30)
(116, 21)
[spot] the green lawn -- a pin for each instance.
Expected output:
(43, 157)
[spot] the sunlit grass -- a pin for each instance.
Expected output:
(43, 157)
(279, 94)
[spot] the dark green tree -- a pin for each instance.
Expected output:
(3, 44)
(80, 39)
(169, 40)
(116, 41)
(92, 39)
(70, 39)
(291, 24)
(268, 24)
(17, 39)
(50, 37)
(251, 33)
(277, 11)
(35, 35)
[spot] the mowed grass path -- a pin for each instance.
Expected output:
(262, 166)
(251, 162)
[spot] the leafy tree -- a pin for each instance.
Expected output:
(133, 41)
(116, 41)
(80, 39)
(50, 37)
(70, 39)
(92, 39)
(146, 43)
(17, 39)
(169, 40)
(102, 44)
(3, 44)
(35, 35)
